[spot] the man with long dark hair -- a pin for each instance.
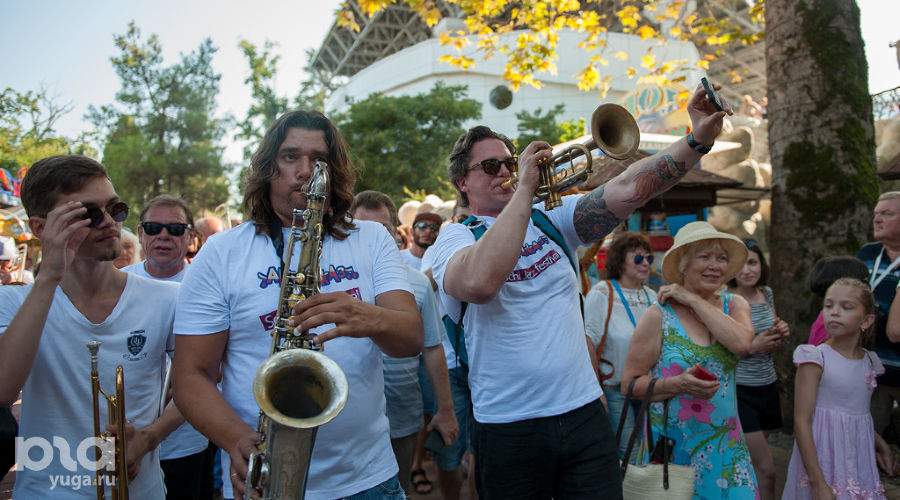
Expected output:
(229, 298)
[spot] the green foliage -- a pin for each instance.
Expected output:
(162, 137)
(27, 132)
(401, 144)
(266, 106)
(540, 126)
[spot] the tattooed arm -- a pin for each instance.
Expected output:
(601, 210)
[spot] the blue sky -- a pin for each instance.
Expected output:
(66, 44)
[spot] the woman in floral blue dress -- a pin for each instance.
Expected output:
(693, 330)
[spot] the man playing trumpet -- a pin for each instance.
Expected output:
(79, 296)
(541, 429)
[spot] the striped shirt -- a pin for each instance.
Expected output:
(758, 369)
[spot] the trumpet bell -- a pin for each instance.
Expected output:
(614, 131)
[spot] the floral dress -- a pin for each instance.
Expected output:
(707, 433)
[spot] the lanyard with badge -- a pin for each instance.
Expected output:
(625, 302)
(875, 279)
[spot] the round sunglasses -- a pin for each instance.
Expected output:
(118, 211)
(639, 259)
(491, 166)
(174, 228)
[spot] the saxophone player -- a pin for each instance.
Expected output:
(79, 296)
(229, 297)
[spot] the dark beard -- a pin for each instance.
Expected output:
(422, 243)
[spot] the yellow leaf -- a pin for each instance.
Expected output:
(736, 79)
(646, 32)
(648, 61)
(630, 72)
(703, 64)
(622, 56)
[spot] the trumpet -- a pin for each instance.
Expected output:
(613, 131)
(117, 470)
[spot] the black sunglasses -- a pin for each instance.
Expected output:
(428, 225)
(118, 212)
(638, 259)
(174, 228)
(491, 166)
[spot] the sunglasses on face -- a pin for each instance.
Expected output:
(174, 228)
(118, 212)
(639, 259)
(426, 225)
(491, 166)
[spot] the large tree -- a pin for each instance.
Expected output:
(28, 129)
(400, 144)
(822, 144)
(162, 136)
(535, 24)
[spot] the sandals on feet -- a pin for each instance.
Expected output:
(420, 482)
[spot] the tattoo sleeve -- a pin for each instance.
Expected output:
(656, 178)
(594, 219)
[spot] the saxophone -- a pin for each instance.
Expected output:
(297, 387)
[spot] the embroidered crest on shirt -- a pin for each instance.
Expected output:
(136, 342)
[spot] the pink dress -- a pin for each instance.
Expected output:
(842, 426)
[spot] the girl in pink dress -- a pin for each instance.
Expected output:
(834, 451)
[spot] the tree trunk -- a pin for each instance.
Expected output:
(822, 144)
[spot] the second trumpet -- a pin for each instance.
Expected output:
(613, 131)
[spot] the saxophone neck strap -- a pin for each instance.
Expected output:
(277, 236)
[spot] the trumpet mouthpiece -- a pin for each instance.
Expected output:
(509, 183)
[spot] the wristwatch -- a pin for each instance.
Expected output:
(696, 146)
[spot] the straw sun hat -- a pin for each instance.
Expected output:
(702, 231)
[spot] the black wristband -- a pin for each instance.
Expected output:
(696, 146)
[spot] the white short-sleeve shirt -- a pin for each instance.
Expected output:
(233, 284)
(56, 397)
(528, 356)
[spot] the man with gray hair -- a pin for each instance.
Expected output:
(883, 260)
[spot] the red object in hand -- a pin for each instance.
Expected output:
(704, 374)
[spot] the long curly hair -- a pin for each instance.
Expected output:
(263, 169)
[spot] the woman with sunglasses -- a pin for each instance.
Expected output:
(611, 311)
(759, 404)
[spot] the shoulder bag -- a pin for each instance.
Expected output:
(653, 480)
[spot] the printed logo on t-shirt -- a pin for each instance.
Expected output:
(270, 277)
(136, 342)
(535, 246)
(337, 274)
(268, 319)
(535, 269)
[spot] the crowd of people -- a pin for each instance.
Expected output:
(464, 337)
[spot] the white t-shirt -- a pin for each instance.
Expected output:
(449, 351)
(621, 329)
(233, 284)
(411, 260)
(401, 375)
(527, 353)
(56, 397)
(140, 270)
(185, 440)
